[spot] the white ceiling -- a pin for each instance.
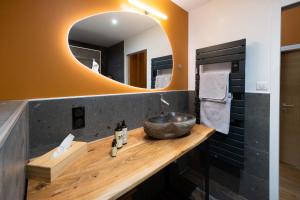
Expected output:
(99, 30)
(188, 5)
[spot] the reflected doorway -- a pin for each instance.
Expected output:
(137, 68)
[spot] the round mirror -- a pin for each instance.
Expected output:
(127, 47)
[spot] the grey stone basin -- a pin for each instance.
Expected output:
(171, 125)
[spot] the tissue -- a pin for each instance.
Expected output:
(65, 145)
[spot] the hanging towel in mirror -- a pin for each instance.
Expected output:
(163, 80)
(95, 66)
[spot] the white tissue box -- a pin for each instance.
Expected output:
(46, 168)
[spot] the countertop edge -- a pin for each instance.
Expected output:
(9, 124)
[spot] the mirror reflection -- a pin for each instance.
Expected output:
(127, 47)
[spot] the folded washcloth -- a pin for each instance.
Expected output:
(162, 80)
(214, 86)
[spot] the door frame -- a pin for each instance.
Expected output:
(130, 54)
(275, 75)
(285, 49)
(275, 57)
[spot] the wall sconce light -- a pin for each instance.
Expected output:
(148, 9)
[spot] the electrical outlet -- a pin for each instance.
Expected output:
(78, 117)
(262, 86)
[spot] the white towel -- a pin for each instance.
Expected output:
(215, 100)
(214, 86)
(95, 67)
(162, 81)
(216, 115)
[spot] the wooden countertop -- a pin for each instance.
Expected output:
(99, 176)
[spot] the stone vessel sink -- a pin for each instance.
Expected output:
(171, 125)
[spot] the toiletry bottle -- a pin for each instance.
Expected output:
(118, 136)
(114, 148)
(125, 134)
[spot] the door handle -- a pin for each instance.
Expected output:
(287, 105)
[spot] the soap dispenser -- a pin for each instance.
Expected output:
(125, 133)
(119, 136)
(114, 149)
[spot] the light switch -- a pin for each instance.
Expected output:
(262, 86)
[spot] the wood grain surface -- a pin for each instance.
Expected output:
(99, 176)
(289, 182)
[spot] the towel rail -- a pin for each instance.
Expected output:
(226, 149)
(160, 63)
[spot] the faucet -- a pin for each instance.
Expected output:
(162, 103)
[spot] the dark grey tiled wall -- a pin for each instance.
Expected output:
(253, 182)
(51, 120)
(13, 158)
(255, 176)
(115, 62)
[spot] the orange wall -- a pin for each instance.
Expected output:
(35, 59)
(291, 26)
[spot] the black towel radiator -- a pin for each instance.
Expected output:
(225, 150)
(160, 63)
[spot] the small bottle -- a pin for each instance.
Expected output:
(114, 148)
(119, 136)
(125, 134)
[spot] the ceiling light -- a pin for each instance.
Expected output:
(114, 21)
(148, 9)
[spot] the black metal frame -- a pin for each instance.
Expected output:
(207, 164)
(165, 62)
(220, 148)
